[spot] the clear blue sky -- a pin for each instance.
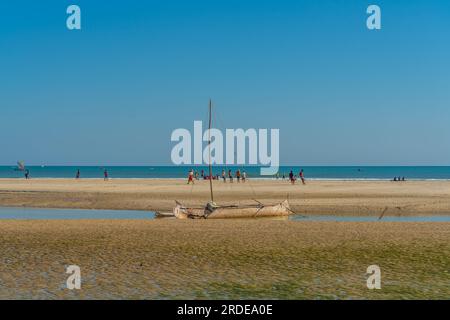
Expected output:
(112, 93)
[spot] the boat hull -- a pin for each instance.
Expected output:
(279, 210)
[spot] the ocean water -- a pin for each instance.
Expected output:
(311, 172)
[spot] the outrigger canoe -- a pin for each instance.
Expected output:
(214, 211)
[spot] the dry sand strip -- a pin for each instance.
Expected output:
(317, 197)
(168, 259)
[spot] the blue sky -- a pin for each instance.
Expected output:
(111, 93)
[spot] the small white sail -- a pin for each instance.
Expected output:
(20, 165)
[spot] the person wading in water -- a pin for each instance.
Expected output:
(230, 176)
(191, 177)
(291, 177)
(301, 175)
(224, 177)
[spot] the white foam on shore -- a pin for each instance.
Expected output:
(220, 179)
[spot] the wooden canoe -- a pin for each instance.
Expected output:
(213, 211)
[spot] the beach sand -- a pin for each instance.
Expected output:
(317, 197)
(222, 259)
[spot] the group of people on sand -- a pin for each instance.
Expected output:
(399, 179)
(77, 175)
(105, 175)
(240, 176)
(293, 177)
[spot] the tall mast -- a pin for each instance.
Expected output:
(209, 151)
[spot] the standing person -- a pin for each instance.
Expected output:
(238, 175)
(27, 174)
(105, 175)
(291, 177)
(203, 174)
(301, 175)
(230, 176)
(244, 176)
(78, 174)
(191, 177)
(224, 177)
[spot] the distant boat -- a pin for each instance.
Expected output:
(215, 211)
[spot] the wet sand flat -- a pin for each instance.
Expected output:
(173, 259)
(317, 197)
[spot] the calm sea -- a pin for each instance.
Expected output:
(311, 172)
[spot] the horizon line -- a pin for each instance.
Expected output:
(229, 165)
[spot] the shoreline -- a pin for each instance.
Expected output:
(220, 179)
(367, 198)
